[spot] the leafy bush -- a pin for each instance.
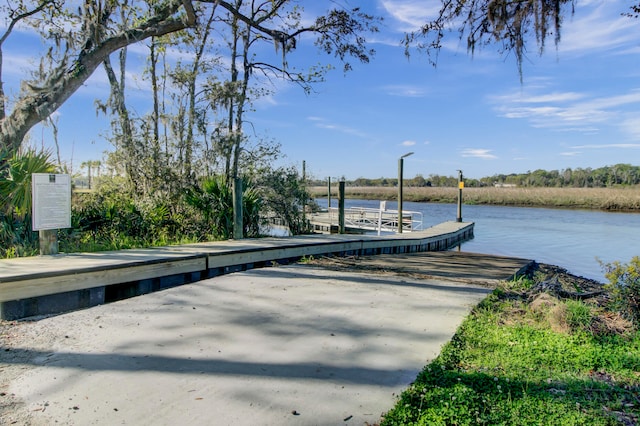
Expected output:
(285, 197)
(624, 285)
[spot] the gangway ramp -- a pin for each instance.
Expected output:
(363, 219)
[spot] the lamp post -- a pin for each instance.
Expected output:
(400, 167)
(460, 187)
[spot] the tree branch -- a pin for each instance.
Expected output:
(39, 103)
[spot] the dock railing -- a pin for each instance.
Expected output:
(378, 219)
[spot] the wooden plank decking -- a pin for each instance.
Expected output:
(24, 279)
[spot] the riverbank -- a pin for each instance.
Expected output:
(548, 349)
(608, 199)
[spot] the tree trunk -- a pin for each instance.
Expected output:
(155, 116)
(120, 108)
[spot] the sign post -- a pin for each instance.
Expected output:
(51, 201)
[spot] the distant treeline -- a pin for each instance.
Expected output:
(602, 177)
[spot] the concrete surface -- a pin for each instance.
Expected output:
(292, 345)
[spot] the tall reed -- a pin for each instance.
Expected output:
(614, 199)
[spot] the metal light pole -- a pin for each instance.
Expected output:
(460, 186)
(400, 167)
(341, 207)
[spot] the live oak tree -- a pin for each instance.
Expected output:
(81, 40)
(82, 37)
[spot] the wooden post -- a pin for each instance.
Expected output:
(48, 239)
(341, 207)
(237, 209)
(329, 193)
(304, 191)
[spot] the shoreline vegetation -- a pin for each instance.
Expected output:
(625, 199)
(538, 350)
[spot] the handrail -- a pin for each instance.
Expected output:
(378, 219)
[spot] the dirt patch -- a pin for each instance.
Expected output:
(462, 267)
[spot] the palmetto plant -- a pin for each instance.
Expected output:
(15, 188)
(213, 199)
(15, 200)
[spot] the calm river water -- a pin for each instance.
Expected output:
(573, 239)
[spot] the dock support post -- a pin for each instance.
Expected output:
(329, 193)
(304, 191)
(341, 207)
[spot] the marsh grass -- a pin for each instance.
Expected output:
(615, 199)
(522, 361)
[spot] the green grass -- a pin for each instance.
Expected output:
(507, 366)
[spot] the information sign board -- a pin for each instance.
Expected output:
(51, 197)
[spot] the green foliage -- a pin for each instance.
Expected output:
(213, 200)
(111, 218)
(624, 284)
(16, 236)
(15, 187)
(578, 315)
(505, 367)
(285, 196)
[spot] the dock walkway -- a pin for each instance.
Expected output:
(51, 284)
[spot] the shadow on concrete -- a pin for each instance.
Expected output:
(291, 273)
(175, 365)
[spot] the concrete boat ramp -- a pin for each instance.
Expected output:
(286, 345)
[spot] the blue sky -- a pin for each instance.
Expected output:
(577, 106)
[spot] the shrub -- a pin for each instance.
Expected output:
(624, 285)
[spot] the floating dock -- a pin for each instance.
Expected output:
(45, 285)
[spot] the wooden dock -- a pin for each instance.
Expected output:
(52, 284)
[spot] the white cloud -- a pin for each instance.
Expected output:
(408, 143)
(571, 111)
(478, 153)
(555, 97)
(411, 14)
(597, 26)
(632, 127)
(323, 124)
(407, 91)
(608, 146)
